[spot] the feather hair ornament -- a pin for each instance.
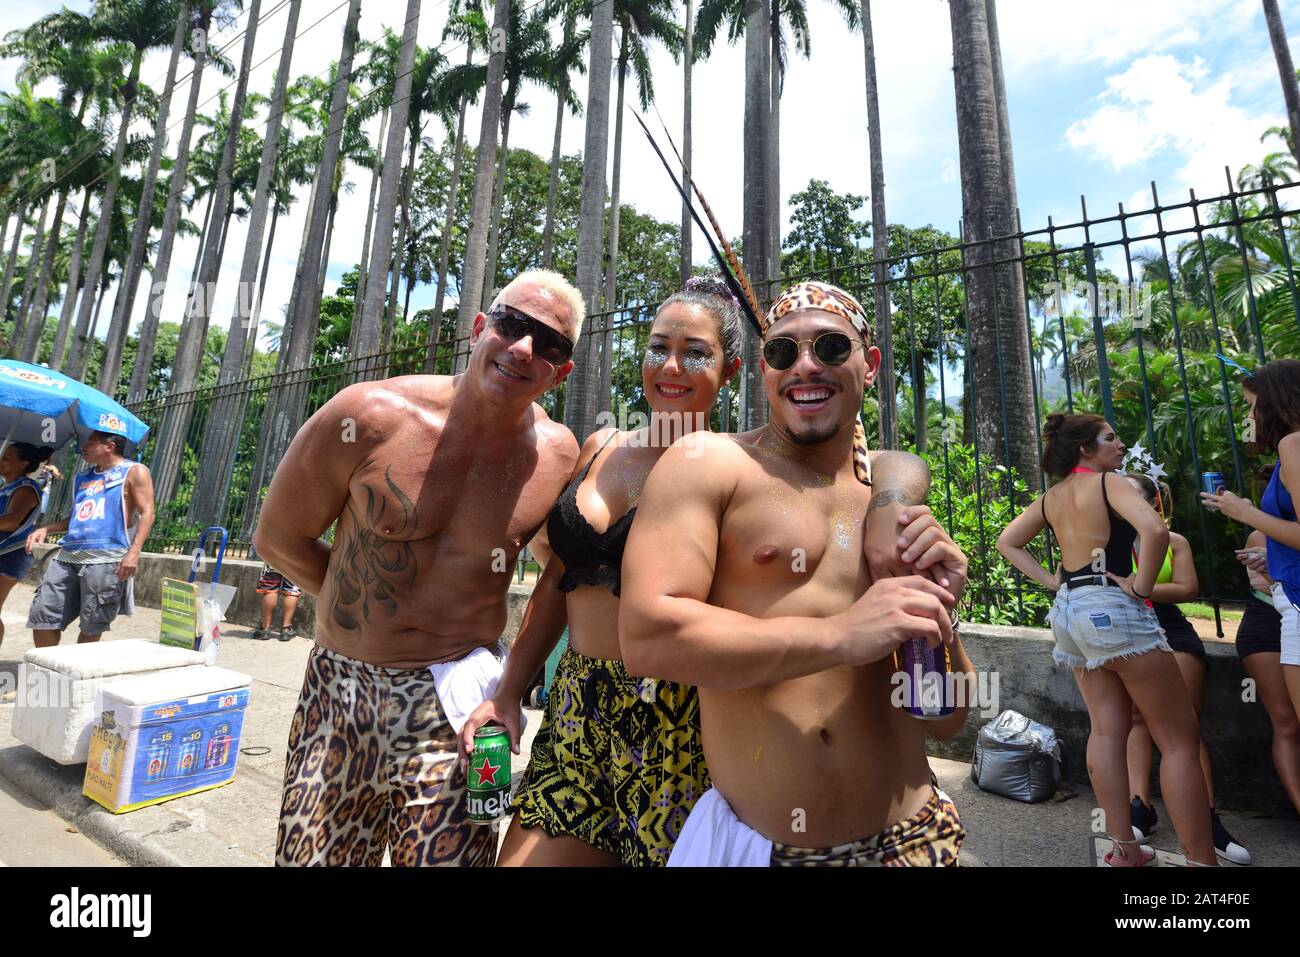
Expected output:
(733, 273)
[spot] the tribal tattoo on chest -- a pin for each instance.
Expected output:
(370, 568)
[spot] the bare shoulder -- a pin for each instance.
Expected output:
(1179, 541)
(705, 460)
(554, 438)
(372, 411)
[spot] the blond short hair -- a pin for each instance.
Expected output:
(556, 284)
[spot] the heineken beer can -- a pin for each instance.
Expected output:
(488, 787)
(928, 688)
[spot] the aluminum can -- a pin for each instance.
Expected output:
(928, 688)
(187, 761)
(218, 752)
(1212, 482)
(157, 763)
(488, 786)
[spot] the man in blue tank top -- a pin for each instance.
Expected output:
(90, 576)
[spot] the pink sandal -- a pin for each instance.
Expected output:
(1147, 857)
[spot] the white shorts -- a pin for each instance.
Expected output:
(1290, 625)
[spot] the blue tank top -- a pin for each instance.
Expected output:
(1283, 560)
(99, 512)
(18, 537)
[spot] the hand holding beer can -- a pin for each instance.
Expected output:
(488, 786)
(1212, 483)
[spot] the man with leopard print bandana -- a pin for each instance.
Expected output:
(746, 574)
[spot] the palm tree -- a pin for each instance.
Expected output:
(563, 102)
(686, 268)
(529, 58)
(999, 362)
(109, 372)
(880, 244)
(1285, 69)
(591, 211)
(466, 26)
(194, 327)
(475, 264)
(133, 22)
(225, 420)
(205, 11)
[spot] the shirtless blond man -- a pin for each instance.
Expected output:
(746, 574)
(433, 484)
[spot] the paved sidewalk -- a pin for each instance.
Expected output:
(235, 825)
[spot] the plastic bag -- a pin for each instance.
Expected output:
(214, 599)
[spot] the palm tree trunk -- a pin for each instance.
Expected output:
(286, 402)
(498, 199)
(226, 416)
(591, 212)
(758, 109)
(685, 268)
(250, 343)
(999, 360)
(171, 222)
(322, 274)
(73, 289)
(1286, 71)
(1000, 91)
(302, 324)
(480, 208)
(611, 268)
(774, 152)
(359, 298)
(29, 280)
(399, 255)
(6, 286)
(448, 224)
(390, 181)
(99, 247)
(880, 247)
(198, 311)
(286, 333)
(36, 318)
(552, 190)
(121, 321)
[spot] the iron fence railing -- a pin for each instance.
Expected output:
(1123, 314)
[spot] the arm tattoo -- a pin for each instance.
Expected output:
(900, 477)
(888, 497)
(370, 567)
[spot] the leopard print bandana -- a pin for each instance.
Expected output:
(832, 299)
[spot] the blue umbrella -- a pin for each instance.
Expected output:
(43, 407)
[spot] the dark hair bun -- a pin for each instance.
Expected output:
(1053, 423)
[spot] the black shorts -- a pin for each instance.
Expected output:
(1179, 631)
(1260, 629)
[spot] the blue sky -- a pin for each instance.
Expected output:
(1103, 98)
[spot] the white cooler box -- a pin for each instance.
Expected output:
(165, 735)
(57, 689)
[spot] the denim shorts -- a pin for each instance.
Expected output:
(1290, 615)
(1094, 623)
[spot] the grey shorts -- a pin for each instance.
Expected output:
(1096, 623)
(92, 593)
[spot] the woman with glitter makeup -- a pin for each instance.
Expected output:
(617, 763)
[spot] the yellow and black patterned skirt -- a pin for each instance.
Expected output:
(617, 763)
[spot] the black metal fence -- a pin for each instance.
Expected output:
(1125, 314)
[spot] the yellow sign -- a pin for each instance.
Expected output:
(180, 616)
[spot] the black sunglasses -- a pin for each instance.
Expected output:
(514, 325)
(830, 349)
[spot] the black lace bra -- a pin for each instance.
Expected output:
(590, 557)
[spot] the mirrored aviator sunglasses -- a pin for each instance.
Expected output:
(830, 349)
(548, 344)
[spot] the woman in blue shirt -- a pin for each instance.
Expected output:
(1273, 392)
(20, 499)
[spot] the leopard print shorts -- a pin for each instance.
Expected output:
(932, 837)
(372, 766)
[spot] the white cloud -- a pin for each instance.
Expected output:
(1161, 105)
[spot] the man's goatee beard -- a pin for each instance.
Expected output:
(813, 437)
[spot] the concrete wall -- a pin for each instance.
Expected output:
(1238, 734)
(246, 610)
